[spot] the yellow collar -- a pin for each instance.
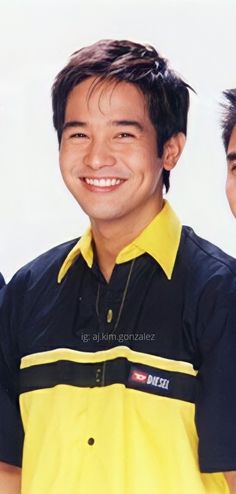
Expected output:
(160, 239)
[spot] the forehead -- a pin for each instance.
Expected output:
(106, 97)
(232, 141)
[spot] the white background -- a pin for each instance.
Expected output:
(36, 39)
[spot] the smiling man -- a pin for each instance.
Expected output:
(229, 140)
(120, 345)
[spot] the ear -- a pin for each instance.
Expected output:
(172, 150)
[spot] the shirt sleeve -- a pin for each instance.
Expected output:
(11, 430)
(216, 393)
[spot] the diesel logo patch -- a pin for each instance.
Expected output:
(140, 377)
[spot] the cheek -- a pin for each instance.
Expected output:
(62, 156)
(67, 159)
(63, 168)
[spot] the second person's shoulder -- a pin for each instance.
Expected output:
(203, 257)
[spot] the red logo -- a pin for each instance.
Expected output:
(139, 376)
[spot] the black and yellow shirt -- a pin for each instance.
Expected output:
(124, 387)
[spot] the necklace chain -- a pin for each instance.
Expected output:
(123, 297)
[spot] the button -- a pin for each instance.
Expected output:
(98, 375)
(109, 315)
(91, 441)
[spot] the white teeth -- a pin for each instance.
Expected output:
(103, 182)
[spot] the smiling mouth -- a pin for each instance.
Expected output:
(103, 182)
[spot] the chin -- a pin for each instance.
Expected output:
(103, 217)
(96, 215)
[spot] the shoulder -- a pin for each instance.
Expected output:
(43, 267)
(34, 282)
(209, 279)
(33, 289)
(202, 256)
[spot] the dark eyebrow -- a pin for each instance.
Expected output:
(231, 156)
(117, 123)
(128, 123)
(73, 123)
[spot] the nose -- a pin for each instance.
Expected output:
(99, 155)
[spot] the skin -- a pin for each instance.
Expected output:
(108, 134)
(10, 479)
(231, 480)
(231, 172)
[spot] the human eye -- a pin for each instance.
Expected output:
(125, 135)
(78, 135)
(232, 166)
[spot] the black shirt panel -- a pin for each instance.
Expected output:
(151, 320)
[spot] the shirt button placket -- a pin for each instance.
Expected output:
(98, 377)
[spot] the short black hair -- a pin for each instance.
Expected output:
(121, 60)
(229, 116)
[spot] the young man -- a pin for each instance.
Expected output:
(121, 346)
(229, 140)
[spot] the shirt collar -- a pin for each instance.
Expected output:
(160, 239)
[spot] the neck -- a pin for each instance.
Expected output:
(110, 237)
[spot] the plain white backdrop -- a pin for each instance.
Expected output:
(36, 39)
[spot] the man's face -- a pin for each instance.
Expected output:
(231, 174)
(108, 153)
